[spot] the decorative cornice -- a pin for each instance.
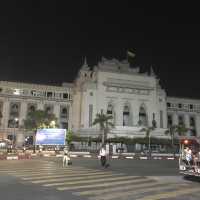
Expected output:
(127, 85)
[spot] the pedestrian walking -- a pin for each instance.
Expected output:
(66, 157)
(103, 157)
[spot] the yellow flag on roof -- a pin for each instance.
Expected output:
(130, 54)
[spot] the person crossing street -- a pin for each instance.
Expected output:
(103, 157)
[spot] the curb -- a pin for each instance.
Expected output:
(32, 156)
(122, 157)
(15, 157)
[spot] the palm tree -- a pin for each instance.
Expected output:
(104, 123)
(173, 129)
(39, 119)
(69, 138)
(148, 131)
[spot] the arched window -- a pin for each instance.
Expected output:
(14, 110)
(181, 120)
(192, 126)
(126, 116)
(64, 112)
(110, 109)
(143, 116)
(169, 121)
(48, 109)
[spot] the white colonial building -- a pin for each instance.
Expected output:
(134, 100)
(17, 99)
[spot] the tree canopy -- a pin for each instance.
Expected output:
(104, 123)
(39, 119)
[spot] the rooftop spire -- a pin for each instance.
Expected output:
(85, 65)
(152, 73)
(85, 61)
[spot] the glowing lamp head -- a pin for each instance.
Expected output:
(185, 141)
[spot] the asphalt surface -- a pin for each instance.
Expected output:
(46, 178)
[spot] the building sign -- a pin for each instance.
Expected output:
(50, 136)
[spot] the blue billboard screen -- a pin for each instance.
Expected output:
(50, 136)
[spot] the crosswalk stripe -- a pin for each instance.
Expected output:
(30, 170)
(29, 174)
(64, 174)
(41, 169)
(33, 174)
(143, 183)
(88, 181)
(135, 192)
(74, 178)
(170, 194)
(105, 184)
(56, 172)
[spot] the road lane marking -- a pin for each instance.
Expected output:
(173, 194)
(143, 183)
(41, 169)
(139, 191)
(105, 184)
(29, 174)
(73, 178)
(63, 175)
(88, 181)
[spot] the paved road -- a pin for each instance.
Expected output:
(86, 180)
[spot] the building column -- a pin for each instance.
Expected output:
(57, 111)
(119, 114)
(5, 113)
(187, 121)
(40, 106)
(197, 121)
(20, 137)
(70, 117)
(135, 113)
(175, 119)
(23, 111)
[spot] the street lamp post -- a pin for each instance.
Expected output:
(53, 124)
(149, 145)
(15, 122)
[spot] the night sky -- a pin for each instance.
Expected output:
(46, 41)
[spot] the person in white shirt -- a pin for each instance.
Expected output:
(188, 155)
(102, 154)
(66, 157)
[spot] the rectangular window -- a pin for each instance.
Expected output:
(169, 121)
(180, 120)
(90, 114)
(49, 94)
(65, 95)
(161, 119)
(64, 125)
(168, 104)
